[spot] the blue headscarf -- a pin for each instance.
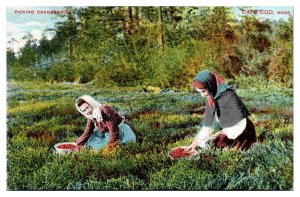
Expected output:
(212, 82)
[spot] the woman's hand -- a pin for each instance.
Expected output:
(214, 136)
(79, 148)
(191, 147)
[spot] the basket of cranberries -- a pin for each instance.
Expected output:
(180, 152)
(65, 147)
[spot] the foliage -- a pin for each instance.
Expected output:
(40, 115)
(158, 46)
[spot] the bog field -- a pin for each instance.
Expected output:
(41, 115)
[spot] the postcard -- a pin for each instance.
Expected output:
(150, 98)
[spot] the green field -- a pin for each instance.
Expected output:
(40, 115)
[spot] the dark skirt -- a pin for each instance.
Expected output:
(242, 142)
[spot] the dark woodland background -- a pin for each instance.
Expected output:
(159, 46)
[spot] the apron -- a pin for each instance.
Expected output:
(99, 140)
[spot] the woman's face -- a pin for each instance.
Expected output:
(203, 92)
(86, 109)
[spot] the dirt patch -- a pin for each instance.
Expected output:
(142, 113)
(261, 138)
(47, 137)
(155, 125)
(257, 110)
(266, 124)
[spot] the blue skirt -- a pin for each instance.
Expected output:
(99, 140)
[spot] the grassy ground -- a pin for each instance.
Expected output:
(40, 115)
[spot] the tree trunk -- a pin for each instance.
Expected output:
(131, 18)
(138, 17)
(161, 34)
(71, 21)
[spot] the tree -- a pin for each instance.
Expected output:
(11, 62)
(280, 67)
(165, 46)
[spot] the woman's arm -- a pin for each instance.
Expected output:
(113, 119)
(215, 135)
(86, 134)
(201, 138)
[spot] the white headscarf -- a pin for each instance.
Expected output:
(92, 102)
